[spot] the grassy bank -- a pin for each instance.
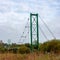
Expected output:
(31, 56)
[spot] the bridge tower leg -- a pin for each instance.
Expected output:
(34, 30)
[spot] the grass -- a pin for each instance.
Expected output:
(31, 56)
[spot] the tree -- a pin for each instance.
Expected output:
(53, 45)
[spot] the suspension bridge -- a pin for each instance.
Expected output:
(31, 33)
(32, 30)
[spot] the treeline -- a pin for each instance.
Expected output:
(49, 46)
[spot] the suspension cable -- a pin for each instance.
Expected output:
(43, 32)
(47, 27)
(24, 30)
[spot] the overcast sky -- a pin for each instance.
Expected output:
(14, 15)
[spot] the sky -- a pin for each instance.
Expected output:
(15, 13)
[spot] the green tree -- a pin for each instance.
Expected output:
(53, 45)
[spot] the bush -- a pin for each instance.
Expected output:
(24, 49)
(15, 50)
(53, 45)
(2, 50)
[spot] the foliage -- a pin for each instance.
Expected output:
(50, 46)
(24, 49)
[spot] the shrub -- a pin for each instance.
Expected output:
(53, 45)
(24, 49)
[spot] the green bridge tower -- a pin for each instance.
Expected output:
(34, 30)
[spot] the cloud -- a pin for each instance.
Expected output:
(14, 15)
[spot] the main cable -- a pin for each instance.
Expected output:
(47, 27)
(43, 32)
(24, 31)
